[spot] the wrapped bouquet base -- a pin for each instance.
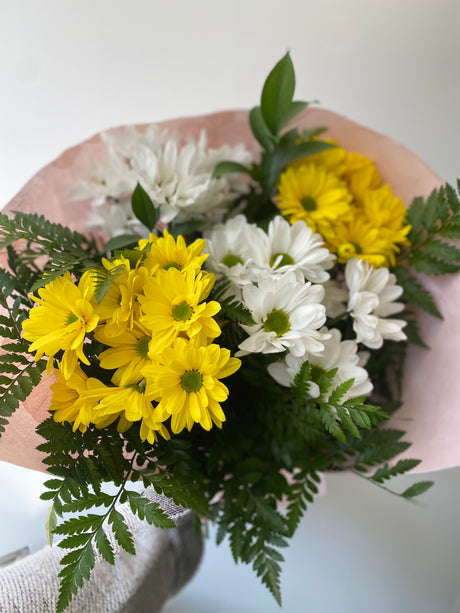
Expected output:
(246, 327)
(429, 381)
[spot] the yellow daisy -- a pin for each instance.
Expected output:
(311, 193)
(130, 403)
(64, 315)
(67, 401)
(120, 308)
(173, 305)
(360, 175)
(388, 213)
(187, 384)
(165, 253)
(359, 239)
(333, 160)
(128, 352)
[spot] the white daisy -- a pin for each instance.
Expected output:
(339, 354)
(233, 248)
(371, 302)
(295, 247)
(176, 173)
(179, 180)
(288, 314)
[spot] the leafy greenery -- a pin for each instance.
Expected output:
(19, 373)
(277, 108)
(63, 249)
(435, 224)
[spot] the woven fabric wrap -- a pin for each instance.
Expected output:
(165, 560)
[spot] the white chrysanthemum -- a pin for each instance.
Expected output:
(294, 247)
(288, 314)
(107, 181)
(372, 300)
(177, 176)
(339, 354)
(233, 248)
(335, 298)
(179, 180)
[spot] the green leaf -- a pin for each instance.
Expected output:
(294, 110)
(401, 467)
(417, 489)
(104, 546)
(260, 129)
(121, 242)
(143, 207)
(225, 167)
(121, 531)
(277, 94)
(51, 523)
(73, 577)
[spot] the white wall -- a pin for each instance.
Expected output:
(69, 68)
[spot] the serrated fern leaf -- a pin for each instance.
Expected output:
(103, 280)
(434, 222)
(73, 575)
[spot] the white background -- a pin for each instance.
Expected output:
(71, 68)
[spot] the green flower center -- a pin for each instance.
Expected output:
(349, 250)
(309, 204)
(278, 322)
(286, 259)
(191, 381)
(71, 319)
(173, 265)
(182, 311)
(142, 347)
(231, 260)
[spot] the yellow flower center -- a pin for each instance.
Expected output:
(142, 347)
(231, 260)
(309, 204)
(278, 322)
(348, 250)
(285, 260)
(191, 381)
(182, 311)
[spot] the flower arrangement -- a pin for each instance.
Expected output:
(229, 328)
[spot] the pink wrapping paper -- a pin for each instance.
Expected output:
(430, 413)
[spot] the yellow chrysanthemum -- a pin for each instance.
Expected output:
(187, 384)
(359, 239)
(130, 403)
(67, 401)
(333, 160)
(388, 213)
(64, 315)
(165, 253)
(312, 194)
(119, 307)
(173, 305)
(360, 175)
(128, 353)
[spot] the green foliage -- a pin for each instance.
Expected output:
(143, 207)
(277, 108)
(19, 373)
(435, 224)
(103, 280)
(64, 250)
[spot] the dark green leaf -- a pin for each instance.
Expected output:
(277, 93)
(260, 130)
(223, 168)
(143, 207)
(121, 242)
(417, 488)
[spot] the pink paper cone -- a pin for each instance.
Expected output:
(430, 414)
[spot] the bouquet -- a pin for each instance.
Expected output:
(230, 325)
